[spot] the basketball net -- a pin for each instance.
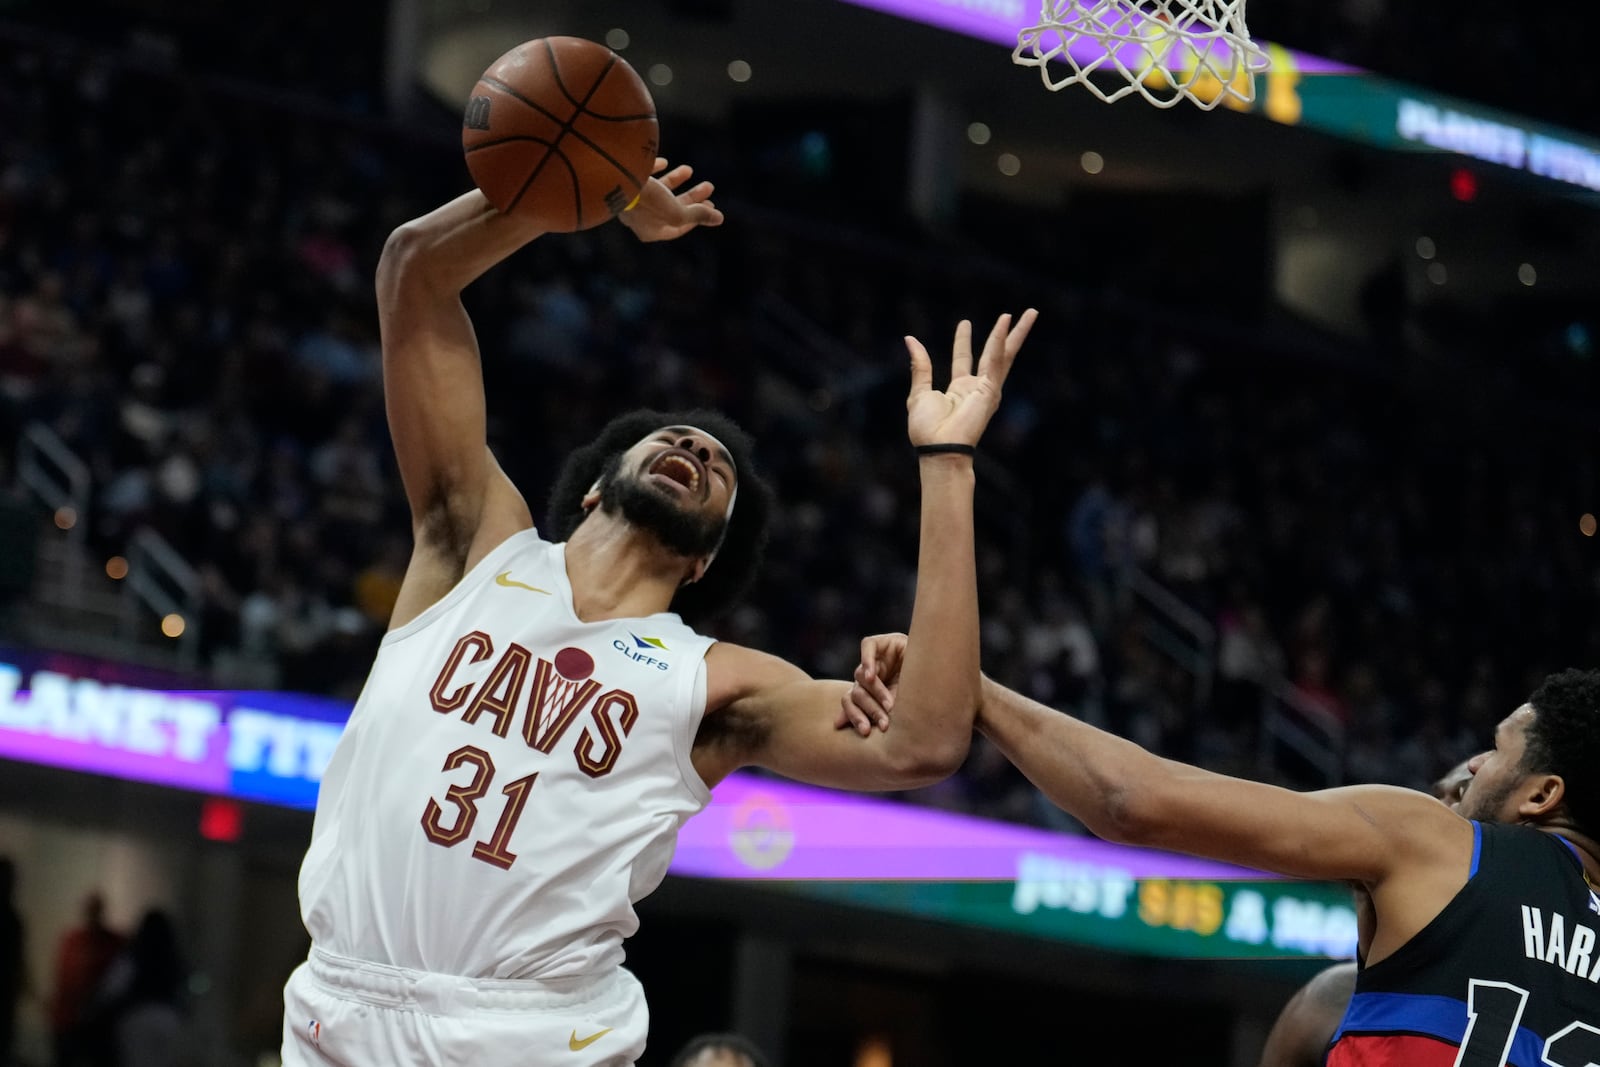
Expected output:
(558, 692)
(555, 703)
(1165, 50)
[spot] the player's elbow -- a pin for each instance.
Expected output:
(1121, 817)
(928, 763)
(1131, 812)
(402, 257)
(941, 735)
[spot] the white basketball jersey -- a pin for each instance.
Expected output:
(511, 782)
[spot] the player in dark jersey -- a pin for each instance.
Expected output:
(1304, 1029)
(1477, 928)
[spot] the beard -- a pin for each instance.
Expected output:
(1485, 805)
(685, 533)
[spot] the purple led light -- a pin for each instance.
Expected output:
(208, 775)
(270, 747)
(759, 828)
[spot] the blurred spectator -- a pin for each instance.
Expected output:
(82, 957)
(19, 546)
(378, 583)
(142, 1002)
(1313, 677)
(1375, 729)
(1099, 536)
(1248, 657)
(13, 962)
(1061, 657)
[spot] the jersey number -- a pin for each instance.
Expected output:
(465, 798)
(1493, 1011)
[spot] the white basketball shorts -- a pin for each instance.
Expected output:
(340, 1012)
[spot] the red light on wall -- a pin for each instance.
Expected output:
(1463, 185)
(221, 820)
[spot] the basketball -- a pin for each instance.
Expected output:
(560, 130)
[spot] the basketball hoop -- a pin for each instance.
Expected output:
(1165, 50)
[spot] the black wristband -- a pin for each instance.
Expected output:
(934, 450)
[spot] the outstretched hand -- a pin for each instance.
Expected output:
(959, 414)
(662, 213)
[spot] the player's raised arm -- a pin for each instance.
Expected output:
(433, 390)
(432, 377)
(461, 503)
(764, 711)
(939, 680)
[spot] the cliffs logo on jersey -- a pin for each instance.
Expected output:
(541, 697)
(643, 650)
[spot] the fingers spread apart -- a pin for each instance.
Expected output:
(1004, 342)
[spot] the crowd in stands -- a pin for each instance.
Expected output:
(186, 300)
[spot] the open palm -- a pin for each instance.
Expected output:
(959, 413)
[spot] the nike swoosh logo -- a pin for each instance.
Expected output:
(578, 1044)
(507, 581)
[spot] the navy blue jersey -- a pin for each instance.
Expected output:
(1507, 974)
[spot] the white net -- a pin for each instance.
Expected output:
(1165, 50)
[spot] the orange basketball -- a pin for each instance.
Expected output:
(560, 130)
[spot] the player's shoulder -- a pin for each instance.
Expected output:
(734, 672)
(1404, 830)
(1518, 844)
(1333, 984)
(1396, 807)
(672, 622)
(728, 657)
(497, 544)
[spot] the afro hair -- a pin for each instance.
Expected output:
(745, 539)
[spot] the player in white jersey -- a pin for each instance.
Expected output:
(539, 721)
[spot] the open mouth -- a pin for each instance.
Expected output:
(680, 468)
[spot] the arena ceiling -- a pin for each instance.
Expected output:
(1340, 212)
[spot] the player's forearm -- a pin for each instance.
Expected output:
(938, 691)
(1105, 781)
(453, 245)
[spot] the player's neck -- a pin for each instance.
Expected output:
(619, 571)
(1588, 852)
(1587, 848)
